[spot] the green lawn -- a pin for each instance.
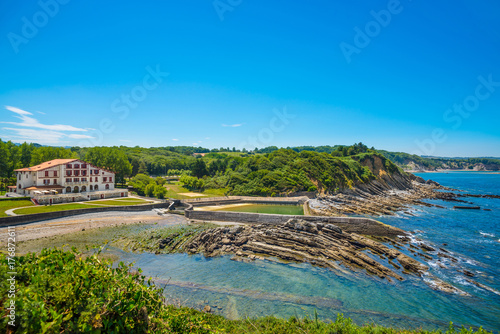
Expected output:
(10, 204)
(174, 188)
(52, 208)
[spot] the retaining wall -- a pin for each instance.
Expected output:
(245, 199)
(358, 225)
(80, 197)
(23, 219)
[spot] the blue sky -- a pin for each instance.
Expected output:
(409, 76)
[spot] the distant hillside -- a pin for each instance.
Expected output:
(417, 163)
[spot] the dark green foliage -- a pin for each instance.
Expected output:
(199, 168)
(60, 292)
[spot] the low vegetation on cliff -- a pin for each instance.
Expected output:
(286, 171)
(62, 292)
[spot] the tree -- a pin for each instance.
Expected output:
(142, 168)
(160, 181)
(160, 192)
(4, 160)
(26, 151)
(150, 189)
(199, 168)
(110, 158)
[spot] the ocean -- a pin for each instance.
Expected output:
(261, 288)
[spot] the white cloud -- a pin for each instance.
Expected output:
(175, 139)
(75, 136)
(17, 110)
(31, 130)
(207, 138)
(31, 122)
(195, 144)
(45, 137)
(232, 125)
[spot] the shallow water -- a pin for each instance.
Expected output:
(262, 287)
(268, 208)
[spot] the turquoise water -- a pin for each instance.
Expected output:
(268, 208)
(262, 288)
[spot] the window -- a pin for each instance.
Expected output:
(104, 179)
(96, 179)
(84, 179)
(55, 173)
(68, 180)
(19, 186)
(77, 166)
(26, 175)
(68, 173)
(46, 173)
(76, 180)
(55, 181)
(84, 165)
(96, 172)
(84, 172)
(19, 177)
(110, 179)
(68, 166)
(77, 172)
(107, 186)
(96, 187)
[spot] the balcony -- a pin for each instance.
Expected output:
(76, 183)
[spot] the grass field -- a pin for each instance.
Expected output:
(52, 208)
(6, 205)
(174, 188)
(73, 206)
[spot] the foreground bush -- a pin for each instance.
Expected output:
(61, 292)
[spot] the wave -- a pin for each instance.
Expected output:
(485, 234)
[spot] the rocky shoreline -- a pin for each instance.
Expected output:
(387, 197)
(324, 245)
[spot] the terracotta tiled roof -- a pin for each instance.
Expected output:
(45, 165)
(55, 186)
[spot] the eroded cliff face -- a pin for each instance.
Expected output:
(391, 190)
(388, 176)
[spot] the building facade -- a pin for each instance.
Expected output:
(64, 176)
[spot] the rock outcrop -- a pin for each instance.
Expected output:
(323, 245)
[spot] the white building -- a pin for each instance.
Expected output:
(72, 179)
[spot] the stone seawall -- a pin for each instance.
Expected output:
(245, 199)
(349, 224)
(36, 217)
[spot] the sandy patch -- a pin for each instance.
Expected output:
(192, 194)
(72, 224)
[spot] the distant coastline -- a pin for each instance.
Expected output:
(453, 170)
